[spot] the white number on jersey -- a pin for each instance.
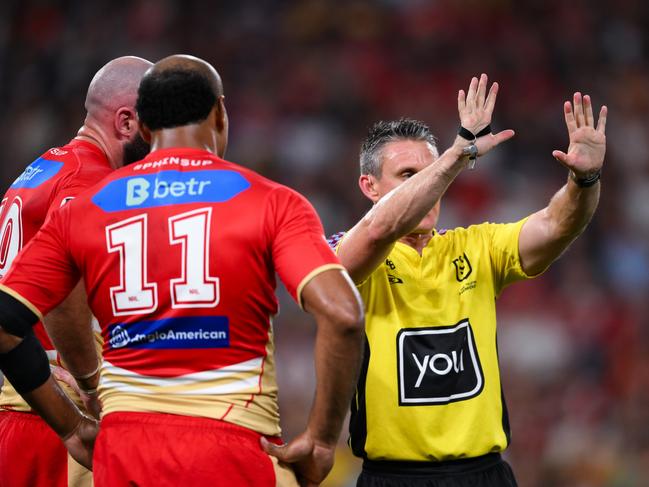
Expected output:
(195, 288)
(11, 233)
(134, 295)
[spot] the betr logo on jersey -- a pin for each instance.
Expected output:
(38, 172)
(137, 189)
(170, 188)
(438, 365)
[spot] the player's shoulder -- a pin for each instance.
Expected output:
(261, 182)
(77, 154)
(51, 166)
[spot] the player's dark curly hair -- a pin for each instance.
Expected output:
(383, 132)
(173, 98)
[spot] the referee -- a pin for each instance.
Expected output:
(429, 408)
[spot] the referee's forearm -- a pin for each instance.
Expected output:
(571, 209)
(401, 210)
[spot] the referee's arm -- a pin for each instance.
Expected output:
(24, 363)
(399, 212)
(549, 232)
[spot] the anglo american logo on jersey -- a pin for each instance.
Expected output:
(170, 188)
(38, 172)
(198, 332)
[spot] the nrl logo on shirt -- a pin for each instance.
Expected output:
(462, 267)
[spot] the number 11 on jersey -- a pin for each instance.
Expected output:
(195, 288)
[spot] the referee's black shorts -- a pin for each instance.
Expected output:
(485, 471)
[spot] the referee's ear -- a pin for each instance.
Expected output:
(367, 183)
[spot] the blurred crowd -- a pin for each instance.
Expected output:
(303, 82)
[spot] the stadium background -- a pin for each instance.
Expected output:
(303, 82)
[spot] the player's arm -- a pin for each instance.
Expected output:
(42, 275)
(334, 302)
(314, 277)
(549, 232)
(69, 326)
(370, 241)
(25, 364)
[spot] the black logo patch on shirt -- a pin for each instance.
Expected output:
(394, 279)
(462, 267)
(438, 365)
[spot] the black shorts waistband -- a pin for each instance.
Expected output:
(445, 467)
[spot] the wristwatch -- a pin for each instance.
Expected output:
(588, 181)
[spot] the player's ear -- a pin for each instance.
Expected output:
(221, 124)
(145, 132)
(221, 116)
(126, 122)
(367, 183)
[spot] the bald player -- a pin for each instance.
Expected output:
(108, 139)
(181, 251)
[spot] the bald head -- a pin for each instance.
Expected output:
(115, 85)
(177, 91)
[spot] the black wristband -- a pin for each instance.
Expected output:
(470, 136)
(466, 134)
(484, 131)
(586, 182)
(26, 366)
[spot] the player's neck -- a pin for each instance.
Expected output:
(193, 136)
(89, 134)
(417, 240)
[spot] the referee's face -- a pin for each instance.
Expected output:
(401, 160)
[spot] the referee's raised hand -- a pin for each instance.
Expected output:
(475, 108)
(585, 155)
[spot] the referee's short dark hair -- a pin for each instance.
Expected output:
(173, 98)
(383, 132)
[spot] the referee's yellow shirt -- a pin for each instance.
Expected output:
(430, 384)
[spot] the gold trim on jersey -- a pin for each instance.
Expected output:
(23, 300)
(311, 275)
(244, 394)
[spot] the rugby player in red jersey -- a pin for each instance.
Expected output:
(179, 253)
(108, 138)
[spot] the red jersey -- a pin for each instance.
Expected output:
(45, 185)
(179, 254)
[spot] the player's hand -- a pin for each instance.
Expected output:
(91, 401)
(587, 142)
(476, 109)
(81, 443)
(311, 461)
